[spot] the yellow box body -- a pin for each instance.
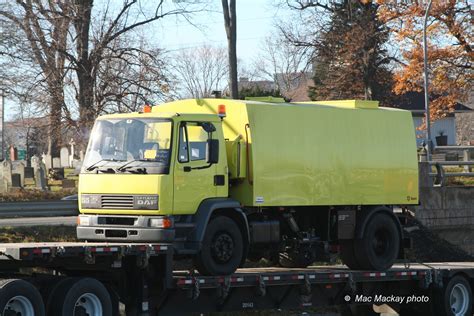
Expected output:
(315, 153)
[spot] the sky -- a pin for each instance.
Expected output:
(255, 21)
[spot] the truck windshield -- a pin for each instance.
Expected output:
(144, 143)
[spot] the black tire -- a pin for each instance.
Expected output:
(380, 243)
(222, 248)
(17, 290)
(348, 255)
(54, 291)
(455, 298)
(70, 293)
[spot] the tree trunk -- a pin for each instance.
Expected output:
(85, 76)
(230, 22)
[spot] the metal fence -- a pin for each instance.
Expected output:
(444, 168)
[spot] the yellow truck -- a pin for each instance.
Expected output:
(229, 180)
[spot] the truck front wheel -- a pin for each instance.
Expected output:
(222, 248)
(379, 246)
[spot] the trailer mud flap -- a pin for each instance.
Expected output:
(346, 223)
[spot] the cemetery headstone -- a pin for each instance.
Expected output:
(19, 168)
(69, 184)
(64, 158)
(29, 173)
(16, 180)
(47, 161)
(56, 163)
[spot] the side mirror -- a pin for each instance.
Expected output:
(213, 151)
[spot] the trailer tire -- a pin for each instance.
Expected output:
(85, 294)
(455, 298)
(380, 243)
(348, 255)
(222, 248)
(21, 298)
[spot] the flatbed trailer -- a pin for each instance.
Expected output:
(92, 278)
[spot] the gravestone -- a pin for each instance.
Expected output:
(7, 172)
(69, 184)
(47, 161)
(19, 168)
(3, 186)
(76, 163)
(64, 158)
(40, 176)
(29, 173)
(16, 180)
(56, 163)
(39, 172)
(81, 155)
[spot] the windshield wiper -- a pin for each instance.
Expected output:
(94, 165)
(126, 166)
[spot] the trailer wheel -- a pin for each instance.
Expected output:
(380, 243)
(222, 248)
(85, 296)
(19, 297)
(456, 298)
(348, 255)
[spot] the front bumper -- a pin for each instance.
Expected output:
(100, 229)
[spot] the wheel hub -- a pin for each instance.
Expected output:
(88, 304)
(19, 306)
(459, 299)
(222, 247)
(380, 242)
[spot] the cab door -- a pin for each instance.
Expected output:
(193, 175)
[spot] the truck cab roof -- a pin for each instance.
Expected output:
(153, 114)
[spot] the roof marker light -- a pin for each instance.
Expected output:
(147, 108)
(221, 110)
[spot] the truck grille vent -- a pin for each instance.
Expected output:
(117, 202)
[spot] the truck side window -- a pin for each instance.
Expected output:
(193, 140)
(183, 144)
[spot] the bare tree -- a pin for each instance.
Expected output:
(201, 71)
(67, 44)
(285, 63)
(230, 22)
(87, 58)
(131, 75)
(46, 30)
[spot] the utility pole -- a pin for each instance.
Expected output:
(425, 77)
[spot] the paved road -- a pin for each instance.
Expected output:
(38, 221)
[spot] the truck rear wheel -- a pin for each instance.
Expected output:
(348, 255)
(379, 246)
(85, 296)
(222, 248)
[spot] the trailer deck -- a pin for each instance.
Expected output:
(141, 277)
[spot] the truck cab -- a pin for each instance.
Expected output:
(140, 170)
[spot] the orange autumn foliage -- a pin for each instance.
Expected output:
(450, 57)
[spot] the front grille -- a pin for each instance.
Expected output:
(117, 202)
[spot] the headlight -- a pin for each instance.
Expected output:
(161, 222)
(90, 201)
(83, 220)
